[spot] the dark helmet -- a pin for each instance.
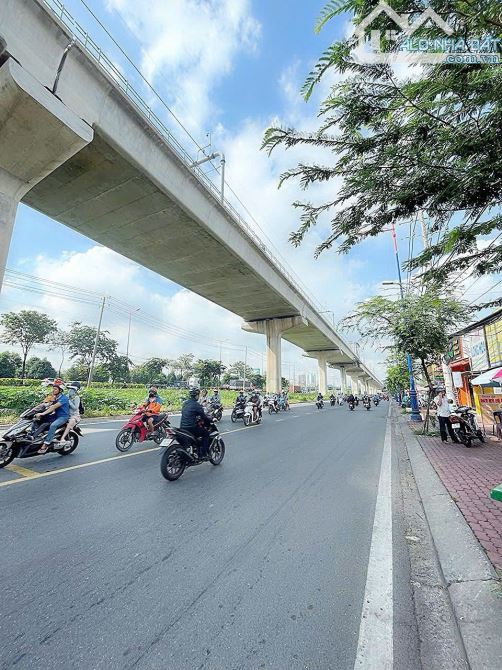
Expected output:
(194, 393)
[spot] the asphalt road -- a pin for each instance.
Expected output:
(261, 562)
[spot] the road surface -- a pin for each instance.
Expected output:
(262, 562)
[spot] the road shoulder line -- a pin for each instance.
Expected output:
(376, 631)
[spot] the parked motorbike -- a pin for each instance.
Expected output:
(136, 430)
(182, 450)
(251, 415)
(14, 442)
(463, 420)
(319, 404)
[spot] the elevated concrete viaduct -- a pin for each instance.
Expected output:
(80, 145)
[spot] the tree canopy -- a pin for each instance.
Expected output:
(25, 329)
(429, 144)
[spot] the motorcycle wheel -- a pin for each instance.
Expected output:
(247, 420)
(7, 454)
(159, 435)
(171, 465)
(481, 436)
(233, 416)
(69, 448)
(124, 439)
(217, 452)
(467, 441)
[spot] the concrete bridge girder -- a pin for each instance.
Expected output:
(273, 330)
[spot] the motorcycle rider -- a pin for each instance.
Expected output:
(320, 397)
(151, 409)
(332, 398)
(255, 398)
(351, 399)
(240, 400)
(195, 421)
(215, 398)
(58, 413)
(75, 409)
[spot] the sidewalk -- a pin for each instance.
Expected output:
(469, 475)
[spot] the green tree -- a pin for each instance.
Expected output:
(184, 365)
(76, 372)
(39, 368)
(10, 364)
(81, 345)
(431, 144)
(25, 329)
(208, 371)
(258, 380)
(417, 324)
(238, 370)
(118, 368)
(397, 377)
(60, 341)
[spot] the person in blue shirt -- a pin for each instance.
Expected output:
(58, 414)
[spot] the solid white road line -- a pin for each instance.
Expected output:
(375, 645)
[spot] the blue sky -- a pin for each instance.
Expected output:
(231, 67)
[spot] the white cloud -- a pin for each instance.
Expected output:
(188, 46)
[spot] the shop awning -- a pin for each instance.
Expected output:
(489, 378)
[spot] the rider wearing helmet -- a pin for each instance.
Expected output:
(58, 413)
(194, 419)
(75, 409)
(151, 408)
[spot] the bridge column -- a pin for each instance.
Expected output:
(273, 330)
(37, 134)
(343, 375)
(322, 373)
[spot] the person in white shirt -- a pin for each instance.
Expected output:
(443, 414)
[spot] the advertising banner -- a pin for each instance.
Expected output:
(474, 347)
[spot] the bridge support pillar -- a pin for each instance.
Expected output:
(343, 375)
(322, 373)
(273, 330)
(38, 133)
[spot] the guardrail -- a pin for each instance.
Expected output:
(82, 37)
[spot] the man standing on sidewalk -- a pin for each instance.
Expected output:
(443, 415)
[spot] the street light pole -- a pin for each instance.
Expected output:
(415, 413)
(129, 330)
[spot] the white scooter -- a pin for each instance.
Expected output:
(251, 415)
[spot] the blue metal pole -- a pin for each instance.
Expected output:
(415, 412)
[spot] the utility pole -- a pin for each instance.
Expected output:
(448, 384)
(129, 330)
(245, 366)
(98, 331)
(415, 413)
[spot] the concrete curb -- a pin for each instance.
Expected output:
(471, 582)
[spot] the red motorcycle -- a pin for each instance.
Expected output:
(136, 430)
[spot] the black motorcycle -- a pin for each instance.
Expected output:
(367, 404)
(238, 412)
(351, 405)
(332, 402)
(463, 420)
(16, 442)
(216, 411)
(183, 450)
(376, 401)
(319, 404)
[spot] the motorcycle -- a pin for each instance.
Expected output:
(351, 405)
(376, 402)
(216, 411)
(15, 442)
(136, 430)
(367, 404)
(332, 402)
(284, 404)
(319, 404)
(251, 415)
(182, 450)
(273, 407)
(463, 420)
(237, 412)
